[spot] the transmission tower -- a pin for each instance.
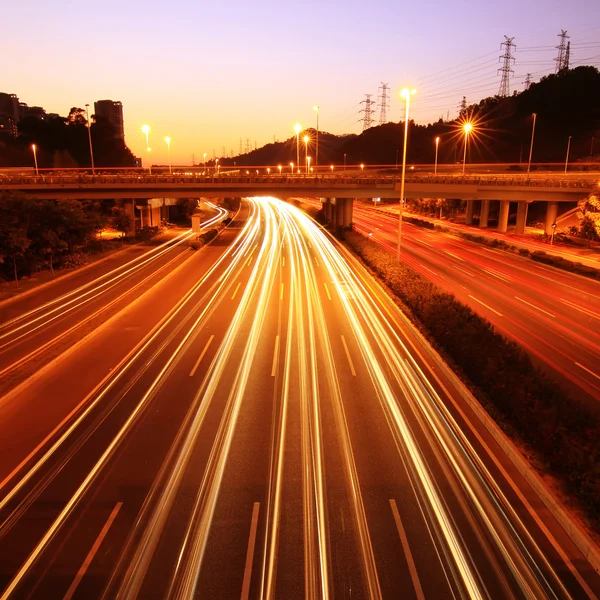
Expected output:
(528, 81)
(506, 70)
(241, 147)
(462, 106)
(567, 58)
(368, 119)
(562, 52)
(248, 146)
(384, 102)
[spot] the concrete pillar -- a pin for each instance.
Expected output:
(154, 216)
(503, 215)
(129, 207)
(327, 210)
(348, 210)
(484, 213)
(551, 212)
(469, 213)
(340, 205)
(521, 217)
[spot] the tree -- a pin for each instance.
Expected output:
(121, 220)
(76, 117)
(589, 217)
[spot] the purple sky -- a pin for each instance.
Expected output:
(210, 73)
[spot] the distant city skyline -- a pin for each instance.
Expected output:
(206, 76)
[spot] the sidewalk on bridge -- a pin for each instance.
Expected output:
(586, 256)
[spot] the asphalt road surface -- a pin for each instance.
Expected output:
(263, 423)
(555, 315)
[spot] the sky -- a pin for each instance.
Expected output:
(209, 73)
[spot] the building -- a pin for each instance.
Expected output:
(9, 114)
(112, 112)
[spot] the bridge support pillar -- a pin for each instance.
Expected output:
(128, 207)
(551, 212)
(503, 215)
(484, 214)
(469, 213)
(348, 211)
(338, 224)
(521, 217)
(327, 206)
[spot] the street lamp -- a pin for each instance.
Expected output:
(437, 145)
(89, 126)
(216, 165)
(34, 148)
(205, 161)
(362, 167)
(297, 129)
(405, 94)
(292, 167)
(467, 127)
(568, 148)
(316, 108)
(268, 171)
(331, 168)
(531, 145)
(306, 138)
(279, 167)
(146, 131)
(149, 161)
(308, 169)
(168, 140)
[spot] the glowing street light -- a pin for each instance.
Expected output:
(297, 129)
(87, 116)
(146, 132)
(292, 167)
(205, 161)
(34, 148)
(308, 169)
(362, 167)
(437, 145)
(316, 108)
(405, 94)
(568, 148)
(531, 145)
(268, 171)
(467, 128)
(331, 168)
(168, 140)
(279, 167)
(306, 139)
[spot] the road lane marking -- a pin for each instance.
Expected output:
(90, 557)
(407, 553)
(249, 260)
(536, 307)
(586, 369)
(585, 311)
(281, 292)
(426, 243)
(428, 269)
(275, 355)
(283, 261)
(210, 339)
(483, 304)
(348, 356)
(237, 287)
(250, 552)
(327, 290)
(455, 256)
(316, 261)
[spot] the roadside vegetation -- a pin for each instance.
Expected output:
(526, 403)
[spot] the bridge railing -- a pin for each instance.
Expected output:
(297, 180)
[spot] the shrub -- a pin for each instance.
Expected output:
(565, 435)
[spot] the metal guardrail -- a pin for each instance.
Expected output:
(298, 180)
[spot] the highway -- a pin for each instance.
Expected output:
(37, 328)
(555, 315)
(263, 423)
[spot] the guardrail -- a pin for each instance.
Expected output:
(298, 180)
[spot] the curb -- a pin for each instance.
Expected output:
(578, 536)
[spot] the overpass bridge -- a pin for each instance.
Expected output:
(337, 191)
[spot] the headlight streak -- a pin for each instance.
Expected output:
(420, 401)
(84, 486)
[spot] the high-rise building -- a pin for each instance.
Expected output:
(9, 114)
(112, 112)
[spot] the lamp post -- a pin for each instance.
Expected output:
(362, 167)
(34, 148)
(308, 164)
(405, 94)
(437, 145)
(89, 128)
(531, 145)
(316, 108)
(216, 166)
(205, 162)
(279, 167)
(297, 129)
(467, 127)
(344, 161)
(331, 168)
(292, 167)
(306, 138)
(146, 131)
(168, 140)
(568, 148)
